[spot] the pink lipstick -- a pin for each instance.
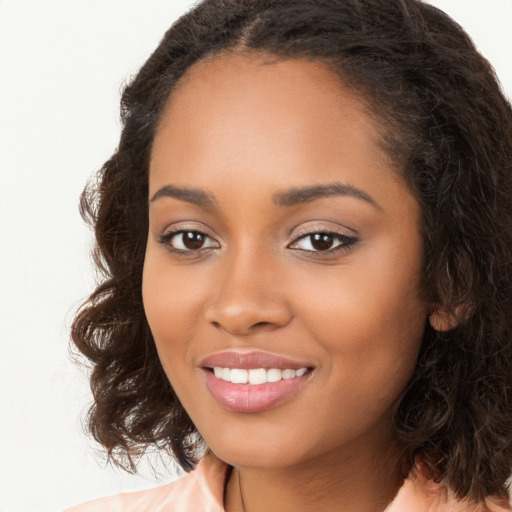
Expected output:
(255, 381)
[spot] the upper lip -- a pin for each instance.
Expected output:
(251, 360)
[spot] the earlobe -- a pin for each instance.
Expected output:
(443, 320)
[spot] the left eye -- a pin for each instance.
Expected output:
(188, 240)
(321, 242)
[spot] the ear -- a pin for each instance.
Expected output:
(442, 319)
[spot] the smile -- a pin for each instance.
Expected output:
(256, 376)
(253, 398)
(250, 382)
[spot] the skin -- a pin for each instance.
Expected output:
(244, 129)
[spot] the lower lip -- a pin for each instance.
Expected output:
(253, 398)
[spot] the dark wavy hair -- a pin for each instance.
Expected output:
(448, 128)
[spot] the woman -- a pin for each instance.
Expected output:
(305, 236)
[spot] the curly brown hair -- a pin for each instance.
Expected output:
(448, 129)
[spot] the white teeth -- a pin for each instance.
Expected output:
(256, 376)
(288, 374)
(273, 375)
(239, 376)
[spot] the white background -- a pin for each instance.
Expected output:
(62, 66)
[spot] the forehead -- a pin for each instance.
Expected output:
(231, 72)
(235, 82)
(252, 113)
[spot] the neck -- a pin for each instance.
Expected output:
(352, 481)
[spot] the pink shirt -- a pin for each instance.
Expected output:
(202, 490)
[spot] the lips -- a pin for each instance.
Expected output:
(248, 360)
(253, 382)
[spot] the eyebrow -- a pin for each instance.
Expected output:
(189, 195)
(301, 195)
(290, 197)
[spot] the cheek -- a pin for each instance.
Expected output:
(369, 318)
(376, 296)
(172, 308)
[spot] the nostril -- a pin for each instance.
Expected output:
(247, 317)
(258, 326)
(261, 324)
(262, 327)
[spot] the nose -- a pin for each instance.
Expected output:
(249, 297)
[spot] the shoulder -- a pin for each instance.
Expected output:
(202, 489)
(421, 494)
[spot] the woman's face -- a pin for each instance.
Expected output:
(280, 238)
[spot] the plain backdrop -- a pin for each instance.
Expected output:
(62, 67)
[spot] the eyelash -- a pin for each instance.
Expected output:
(345, 242)
(166, 239)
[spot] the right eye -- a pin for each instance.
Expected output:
(187, 240)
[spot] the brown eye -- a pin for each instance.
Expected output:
(185, 241)
(322, 241)
(193, 240)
